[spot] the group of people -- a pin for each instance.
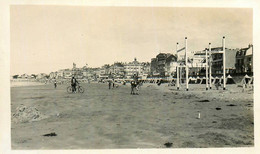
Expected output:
(111, 84)
(135, 85)
(74, 83)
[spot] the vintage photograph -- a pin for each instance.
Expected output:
(103, 77)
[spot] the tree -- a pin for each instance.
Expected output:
(106, 66)
(33, 75)
(47, 76)
(15, 76)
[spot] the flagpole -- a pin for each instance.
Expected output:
(206, 69)
(178, 81)
(224, 64)
(210, 84)
(187, 67)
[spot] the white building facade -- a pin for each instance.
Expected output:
(134, 67)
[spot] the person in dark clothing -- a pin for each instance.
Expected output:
(109, 84)
(134, 88)
(73, 84)
(159, 82)
(133, 85)
(113, 81)
(55, 84)
(217, 85)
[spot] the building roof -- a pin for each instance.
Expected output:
(215, 49)
(171, 58)
(117, 64)
(230, 58)
(200, 53)
(245, 51)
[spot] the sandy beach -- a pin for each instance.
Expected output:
(101, 118)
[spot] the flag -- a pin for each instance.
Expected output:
(181, 49)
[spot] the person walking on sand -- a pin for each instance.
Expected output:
(113, 81)
(124, 82)
(244, 85)
(55, 83)
(217, 85)
(109, 84)
(132, 88)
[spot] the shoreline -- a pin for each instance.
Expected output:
(24, 84)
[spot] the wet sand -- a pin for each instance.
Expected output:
(23, 84)
(109, 119)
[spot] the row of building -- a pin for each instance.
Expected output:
(124, 70)
(116, 70)
(238, 61)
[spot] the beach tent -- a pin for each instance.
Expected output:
(252, 80)
(198, 80)
(247, 79)
(216, 80)
(221, 80)
(174, 80)
(192, 80)
(230, 80)
(203, 81)
(212, 80)
(182, 80)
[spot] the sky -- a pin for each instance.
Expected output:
(48, 38)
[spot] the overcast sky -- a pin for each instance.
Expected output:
(49, 38)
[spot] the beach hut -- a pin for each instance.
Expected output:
(198, 80)
(192, 80)
(230, 80)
